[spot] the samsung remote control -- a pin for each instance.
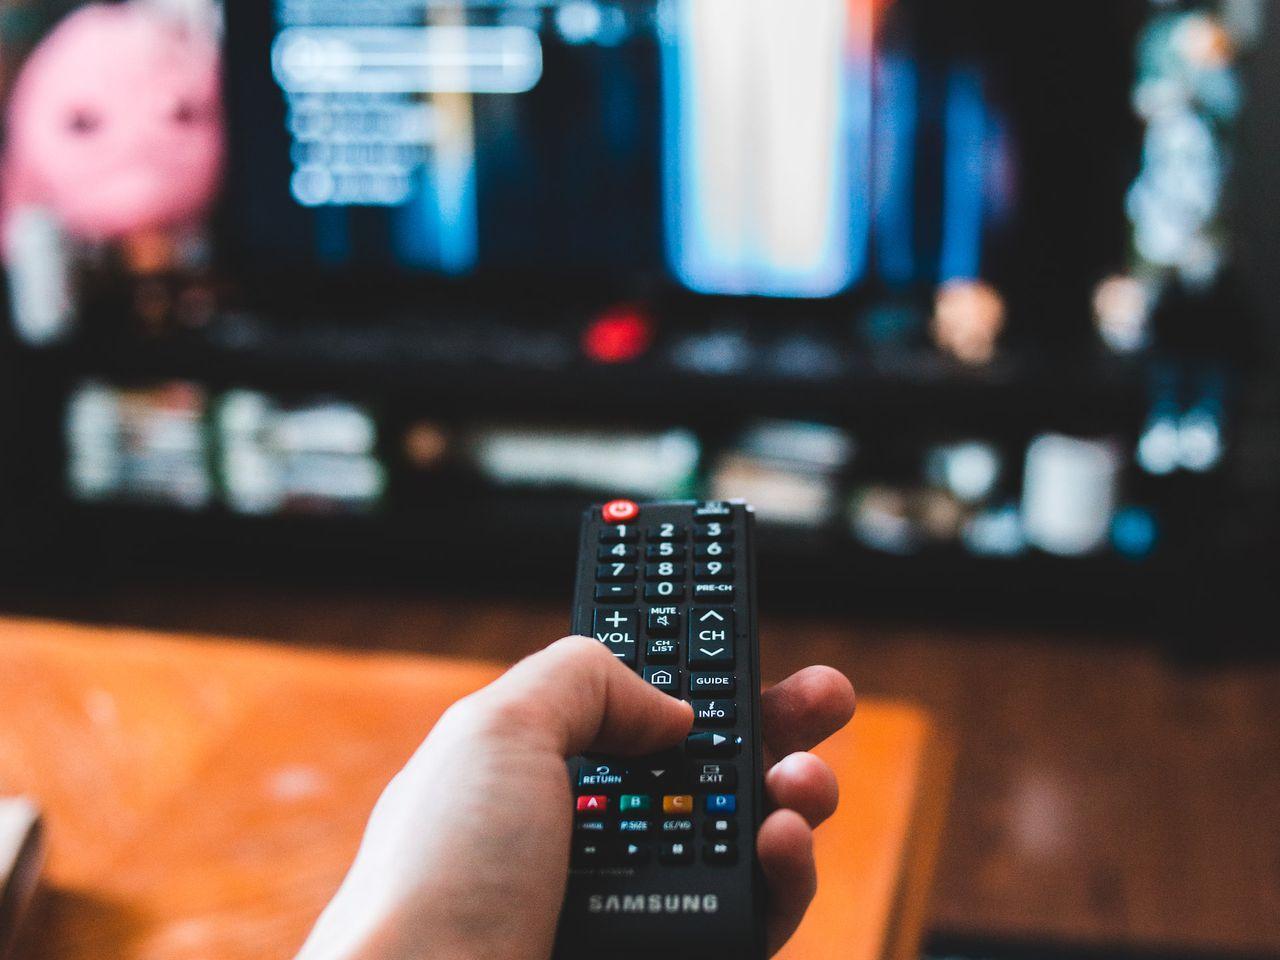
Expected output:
(663, 861)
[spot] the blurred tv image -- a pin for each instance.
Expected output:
(416, 266)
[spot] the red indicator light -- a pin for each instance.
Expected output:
(620, 511)
(619, 335)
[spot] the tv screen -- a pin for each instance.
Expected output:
(829, 150)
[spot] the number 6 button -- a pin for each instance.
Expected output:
(711, 637)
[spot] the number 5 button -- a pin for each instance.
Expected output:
(710, 637)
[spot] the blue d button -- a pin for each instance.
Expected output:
(721, 803)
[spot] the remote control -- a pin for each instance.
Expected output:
(663, 860)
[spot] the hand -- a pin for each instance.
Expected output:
(466, 852)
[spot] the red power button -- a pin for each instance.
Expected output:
(620, 511)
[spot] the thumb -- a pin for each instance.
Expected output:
(577, 694)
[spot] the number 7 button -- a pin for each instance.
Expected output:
(710, 637)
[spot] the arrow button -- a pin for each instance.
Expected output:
(711, 745)
(711, 637)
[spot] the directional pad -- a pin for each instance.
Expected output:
(710, 637)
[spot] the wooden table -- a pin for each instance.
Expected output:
(204, 797)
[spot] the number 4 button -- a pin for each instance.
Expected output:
(710, 637)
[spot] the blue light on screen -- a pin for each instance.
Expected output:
(964, 176)
(766, 145)
(896, 123)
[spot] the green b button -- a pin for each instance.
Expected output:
(631, 801)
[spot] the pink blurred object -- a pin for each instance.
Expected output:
(115, 125)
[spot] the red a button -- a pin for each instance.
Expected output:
(593, 804)
(620, 511)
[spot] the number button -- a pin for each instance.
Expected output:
(666, 531)
(715, 530)
(715, 550)
(617, 551)
(663, 590)
(666, 550)
(713, 570)
(620, 533)
(666, 570)
(618, 572)
(617, 592)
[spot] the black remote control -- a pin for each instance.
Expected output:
(663, 861)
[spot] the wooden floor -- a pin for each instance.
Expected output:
(1105, 794)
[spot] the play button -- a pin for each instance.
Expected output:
(711, 745)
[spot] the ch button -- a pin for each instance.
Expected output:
(710, 637)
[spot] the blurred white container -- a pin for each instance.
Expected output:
(1069, 492)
